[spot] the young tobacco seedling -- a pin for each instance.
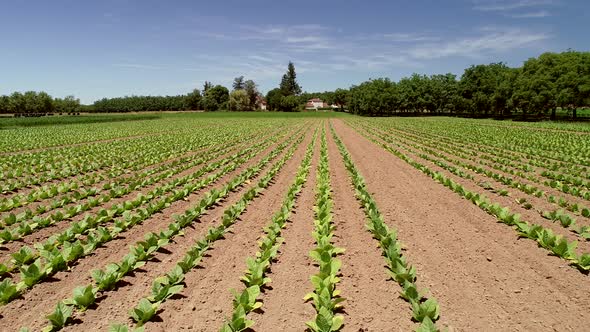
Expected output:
(247, 299)
(59, 318)
(238, 322)
(83, 298)
(326, 321)
(144, 311)
(8, 291)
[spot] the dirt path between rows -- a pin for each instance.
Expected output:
(372, 298)
(483, 277)
(283, 306)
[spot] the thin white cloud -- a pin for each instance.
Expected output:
(491, 41)
(507, 5)
(136, 66)
(536, 14)
(407, 37)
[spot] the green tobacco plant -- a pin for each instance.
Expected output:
(162, 290)
(83, 297)
(247, 299)
(425, 311)
(8, 291)
(144, 311)
(238, 322)
(59, 318)
(31, 274)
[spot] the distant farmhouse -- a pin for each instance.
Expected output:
(315, 104)
(261, 103)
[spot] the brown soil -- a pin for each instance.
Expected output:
(283, 307)
(372, 298)
(482, 276)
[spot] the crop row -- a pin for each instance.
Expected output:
(116, 177)
(425, 310)
(28, 227)
(325, 297)
(138, 181)
(255, 277)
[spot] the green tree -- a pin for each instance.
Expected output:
(238, 83)
(239, 101)
(289, 103)
(16, 103)
(206, 87)
(216, 98)
(4, 104)
(193, 100)
(340, 98)
(289, 85)
(252, 92)
(273, 99)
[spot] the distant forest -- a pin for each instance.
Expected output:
(543, 86)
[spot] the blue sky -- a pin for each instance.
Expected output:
(109, 48)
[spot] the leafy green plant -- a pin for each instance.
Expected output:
(59, 318)
(247, 299)
(8, 291)
(326, 321)
(30, 275)
(144, 311)
(162, 290)
(84, 297)
(24, 256)
(238, 322)
(106, 279)
(428, 308)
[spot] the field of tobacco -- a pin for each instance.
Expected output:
(292, 223)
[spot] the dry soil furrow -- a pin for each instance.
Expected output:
(372, 299)
(283, 305)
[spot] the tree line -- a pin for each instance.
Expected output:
(32, 103)
(538, 88)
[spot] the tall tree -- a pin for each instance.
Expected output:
(289, 85)
(340, 97)
(252, 92)
(238, 83)
(206, 87)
